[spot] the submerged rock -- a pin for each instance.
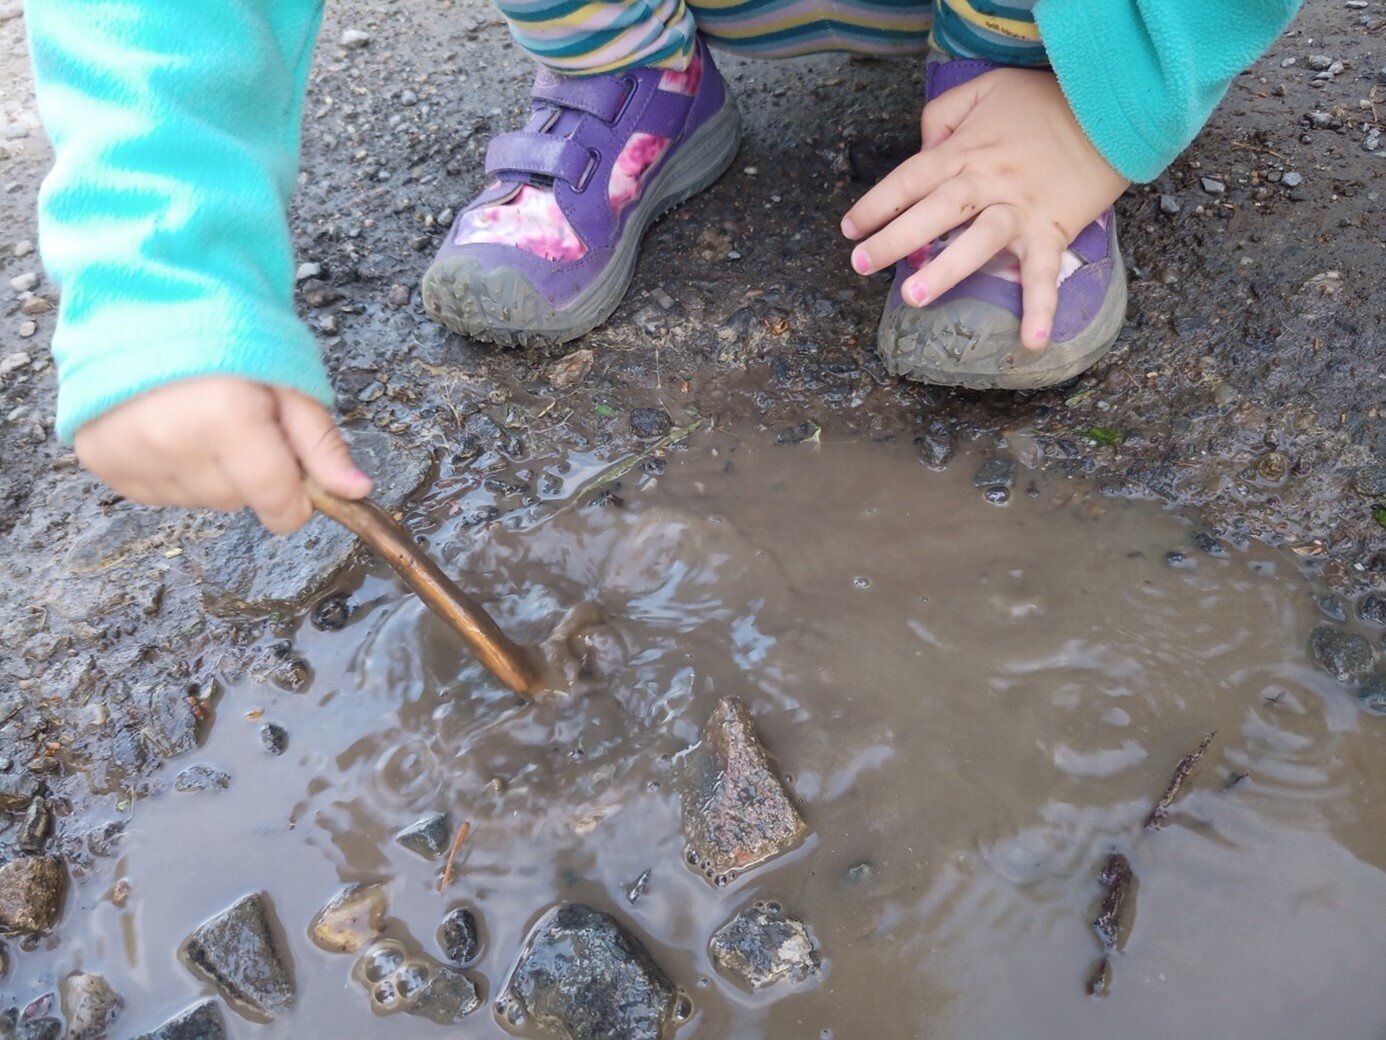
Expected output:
(416, 985)
(428, 837)
(736, 811)
(458, 936)
(762, 945)
(584, 977)
(1344, 655)
(238, 951)
(353, 919)
(1371, 695)
(202, 1022)
(995, 472)
(90, 1006)
(1372, 609)
(31, 894)
(650, 422)
(447, 997)
(202, 778)
(274, 738)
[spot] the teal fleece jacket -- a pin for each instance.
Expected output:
(175, 125)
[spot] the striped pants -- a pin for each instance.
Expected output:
(588, 37)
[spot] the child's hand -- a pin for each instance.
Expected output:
(224, 443)
(1005, 152)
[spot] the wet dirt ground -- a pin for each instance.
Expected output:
(974, 704)
(1246, 389)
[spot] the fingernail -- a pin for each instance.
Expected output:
(848, 228)
(357, 477)
(861, 263)
(916, 294)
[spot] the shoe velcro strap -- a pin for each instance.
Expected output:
(664, 114)
(540, 155)
(600, 96)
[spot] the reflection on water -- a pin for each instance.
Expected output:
(974, 704)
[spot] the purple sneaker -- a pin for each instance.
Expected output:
(546, 252)
(970, 336)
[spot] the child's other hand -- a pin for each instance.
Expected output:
(1005, 152)
(223, 443)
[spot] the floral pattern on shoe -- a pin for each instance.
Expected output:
(1005, 264)
(529, 220)
(640, 153)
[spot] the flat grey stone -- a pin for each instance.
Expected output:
(428, 837)
(582, 976)
(238, 950)
(203, 1022)
(245, 568)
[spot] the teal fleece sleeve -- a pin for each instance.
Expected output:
(175, 128)
(1143, 76)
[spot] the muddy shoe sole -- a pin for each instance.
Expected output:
(500, 306)
(974, 344)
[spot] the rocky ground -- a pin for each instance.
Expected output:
(1247, 384)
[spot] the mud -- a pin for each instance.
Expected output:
(1246, 389)
(974, 704)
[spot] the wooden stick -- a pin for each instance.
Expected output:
(452, 854)
(506, 660)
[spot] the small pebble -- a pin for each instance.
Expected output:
(307, 270)
(274, 738)
(458, 936)
(27, 329)
(36, 305)
(1212, 185)
(24, 282)
(1169, 204)
(355, 39)
(14, 361)
(1318, 62)
(1292, 179)
(399, 296)
(23, 247)
(650, 422)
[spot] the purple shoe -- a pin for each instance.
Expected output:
(546, 252)
(970, 336)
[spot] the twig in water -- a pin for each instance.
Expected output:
(1186, 765)
(616, 472)
(452, 854)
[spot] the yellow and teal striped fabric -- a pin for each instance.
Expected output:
(595, 36)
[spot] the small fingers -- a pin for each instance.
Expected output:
(1039, 285)
(946, 113)
(947, 208)
(914, 179)
(265, 472)
(319, 445)
(988, 235)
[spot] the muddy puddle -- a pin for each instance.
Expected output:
(974, 703)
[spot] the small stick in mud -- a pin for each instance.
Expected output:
(452, 854)
(503, 658)
(1116, 880)
(1187, 764)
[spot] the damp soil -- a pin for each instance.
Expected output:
(974, 702)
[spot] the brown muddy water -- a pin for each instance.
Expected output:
(974, 704)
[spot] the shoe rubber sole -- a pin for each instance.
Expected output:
(500, 306)
(976, 345)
